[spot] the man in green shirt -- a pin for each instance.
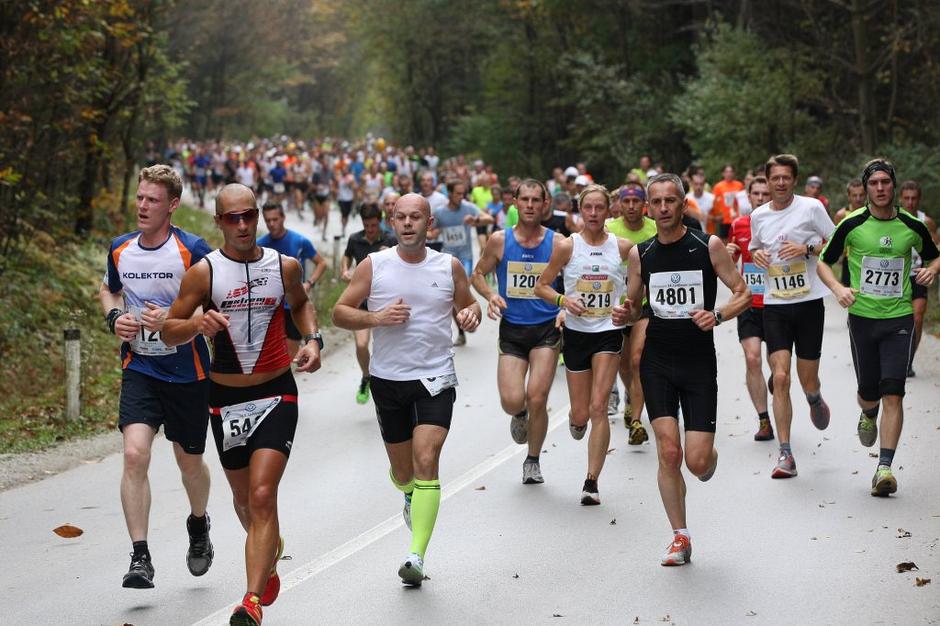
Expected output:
(635, 226)
(880, 237)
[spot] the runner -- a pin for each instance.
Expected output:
(910, 202)
(159, 384)
(452, 224)
(293, 244)
(346, 189)
(253, 396)
(880, 238)
(679, 271)
(591, 263)
(360, 245)
(529, 337)
(636, 227)
(855, 193)
(412, 292)
(751, 321)
(786, 235)
(724, 207)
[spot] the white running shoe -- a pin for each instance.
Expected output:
(532, 473)
(613, 401)
(411, 571)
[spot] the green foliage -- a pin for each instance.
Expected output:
(199, 222)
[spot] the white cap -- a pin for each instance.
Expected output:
(571, 171)
(582, 180)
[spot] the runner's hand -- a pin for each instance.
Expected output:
(705, 320)
(846, 296)
(153, 318)
(347, 276)
(467, 320)
(212, 322)
(732, 249)
(308, 357)
(393, 314)
(126, 327)
(621, 313)
(560, 319)
(574, 306)
(761, 258)
(925, 276)
(790, 250)
(469, 220)
(495, 306)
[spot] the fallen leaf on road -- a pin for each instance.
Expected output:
(613, 522)
(750, 613)
(515, 575)
(665, 619)
(903, 534)
(480, 488)
(611, 450)
(873, 455)
(557, 615)
(906, 567)
(636, 620)
(920, 582)
(68, 531)
(426, 577)
(814, 538)
(855, 472)
(287, 557)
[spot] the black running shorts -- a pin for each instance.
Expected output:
(917, 291)
(800, 324)
(275, 432)
(579, 348)
(881, 352)
(345, 207)
(518, 340)
(671, 378)
(401, 405)
(182, 408)
(751, 324)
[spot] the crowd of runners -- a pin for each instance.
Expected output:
(609, 284)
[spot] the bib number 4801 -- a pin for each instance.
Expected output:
(672, 296)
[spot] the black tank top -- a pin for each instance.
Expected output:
(683, 280)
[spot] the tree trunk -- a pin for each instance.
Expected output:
(868, 125)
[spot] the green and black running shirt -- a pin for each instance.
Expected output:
(879, 258)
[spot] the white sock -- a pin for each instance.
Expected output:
(684, 532)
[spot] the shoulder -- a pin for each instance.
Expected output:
(123, 240)
(701, 237)
(810, 203)
(913, 223)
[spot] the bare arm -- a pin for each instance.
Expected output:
(492, 254)
(630, 310)
(561, 255)
(740, 294)
(319, 267)
(844, 295)
(125, 326)
(466, 306)
(182, 323)
(303, 314)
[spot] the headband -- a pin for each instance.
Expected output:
(634, 192)
(879, 166)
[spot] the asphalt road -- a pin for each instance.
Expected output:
(816, 549)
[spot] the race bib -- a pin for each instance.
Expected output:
(754, 278)
(455, 236)
(437, 384)
(882, 277)
(674, 295)
(596, 296)
(788, 280)
(240, 420)
(148, 342)
(521, 278)
(279, 187)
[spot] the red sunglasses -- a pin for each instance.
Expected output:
(250, 217)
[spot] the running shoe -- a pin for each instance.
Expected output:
(867, 430)
(819, 413)
(461, 339)
(765, 432)
(711, 471)
(532, 473)
(679, 551)
(140, 574)
(613, 401)
(637, 433)
(406, 511)
(273, 587)
(200, 553)
(786, 467)
(589, 495)
(883, 483)
(627, 412)
(519, 427)
(577, 432)
(411, 571)
(362, 395)
(248, 613)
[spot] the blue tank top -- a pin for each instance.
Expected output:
(517, 273)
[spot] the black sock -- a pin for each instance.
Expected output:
(522, 413)
(813, 398)
(141, 549)
(763, 415)
(531, 459)
(886, 457)
(785, 448)
(196, 525)
(871, 413)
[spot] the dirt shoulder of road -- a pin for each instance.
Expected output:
(21, 468)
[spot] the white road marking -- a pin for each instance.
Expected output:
(325, 561)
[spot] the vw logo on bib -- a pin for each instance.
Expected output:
(597, 285)
(250, 407)
(786, 269)
(528, 267)
(884, 263)
(675, 278)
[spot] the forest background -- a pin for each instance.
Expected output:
(523, 84)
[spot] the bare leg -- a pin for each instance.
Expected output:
(669, 475)
(783, 409)
(135, 486)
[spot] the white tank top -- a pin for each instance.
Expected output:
(421, 347)
(916, 261)
(251, 295)
(596, 275)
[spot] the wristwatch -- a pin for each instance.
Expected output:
(314, 337)
(718, 317)
(810, 248)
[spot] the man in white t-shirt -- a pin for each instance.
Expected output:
(787, 235)
(703, 199)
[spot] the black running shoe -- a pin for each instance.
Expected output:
(200, 553)
(589, 495)
(140, 574)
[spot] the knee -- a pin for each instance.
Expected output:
(425, 463)
(262, 500)
(136, 460)
(752, 360)
(781, 379)
(670, 455)
(598, 409)
(512, 403)
(698, 462)
(578, 417)
(537, 399)
(635, 359)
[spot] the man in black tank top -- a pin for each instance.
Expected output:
(679, 269)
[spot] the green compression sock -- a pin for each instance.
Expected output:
(425, 503)
(405, 488)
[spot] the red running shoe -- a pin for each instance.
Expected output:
(248, 613)
(273, 587)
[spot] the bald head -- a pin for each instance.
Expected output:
(235, 196)
(411, 201)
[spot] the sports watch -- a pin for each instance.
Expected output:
(314, 337)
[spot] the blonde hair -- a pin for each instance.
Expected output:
(594, 188)
(163, 175)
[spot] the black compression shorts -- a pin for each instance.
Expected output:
(881, 351)
(401, 405)
(751, 324)
(917, 291)
(579, 348)
(799, 324)
(671, 378)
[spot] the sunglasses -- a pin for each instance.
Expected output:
(250, 217)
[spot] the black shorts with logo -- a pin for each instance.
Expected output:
(751, 324)
(276, 431)
(579, 348)
(518, 340)
(881, 352)
(401, 405)
(181, 408)
(799, 324)
(689, 378)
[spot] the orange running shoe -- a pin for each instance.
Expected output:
(679, 551)
(248, 613)
(273, 587)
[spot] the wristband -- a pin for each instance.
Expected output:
(111, 318)
(559, 300)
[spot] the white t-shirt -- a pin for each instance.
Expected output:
(705, 201)
(437, 200)
(805, 221)
(246, 176)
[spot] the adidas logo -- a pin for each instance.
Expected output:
(434, 284)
